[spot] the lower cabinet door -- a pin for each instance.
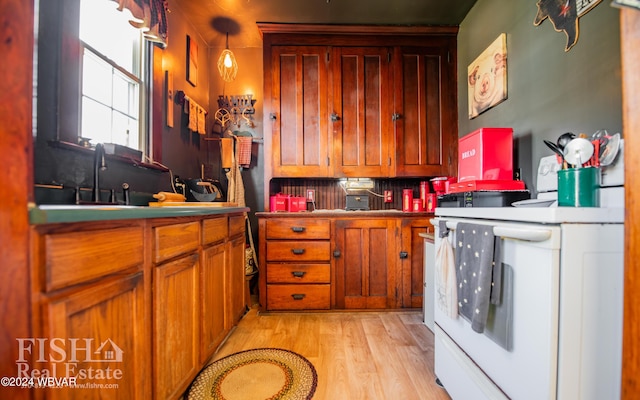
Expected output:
(235, 282)
(176, 326)
(212, 299)
(366, 275)
(97, 336)
(299, 297)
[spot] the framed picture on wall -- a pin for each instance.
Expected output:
(487, 77)
(192, 61)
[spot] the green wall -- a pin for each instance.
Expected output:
(550, 91)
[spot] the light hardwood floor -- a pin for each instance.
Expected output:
(358, 355)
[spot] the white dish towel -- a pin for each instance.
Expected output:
(445, 275)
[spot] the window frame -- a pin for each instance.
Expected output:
(69, 79)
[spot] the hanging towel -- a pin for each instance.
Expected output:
(445, 275)
(201, 121)
(244, 150)
(191, 108)
(226, 151)
(474, 270)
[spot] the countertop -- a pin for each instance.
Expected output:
(430, 236)
(342, 213)
(50, 214)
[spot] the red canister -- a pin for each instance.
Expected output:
(417, 205)
(431, 202)
(424, 189)
(407, 200)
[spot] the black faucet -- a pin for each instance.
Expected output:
(99, 164)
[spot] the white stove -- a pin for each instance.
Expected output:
(557, 334)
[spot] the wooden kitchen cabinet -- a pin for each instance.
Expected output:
(359, 101)
(411, 259)
(354, 261)
(213, 267)
(296, 253)
(152, 298)
(235, 272)
(112, 316)
(176, 307)
(425, 106)
(88, 286)
(364, 256)
(362, 108)
(298, 114)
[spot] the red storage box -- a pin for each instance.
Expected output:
(297, 203)
(279, 202)
(486, 154)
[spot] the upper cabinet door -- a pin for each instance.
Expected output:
(299, 118)
(361, 111)
(426, 113)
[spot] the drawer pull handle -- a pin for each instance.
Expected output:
(298, 296)
(298, 229)
(404, 254)
(297, 251)
(298, 274)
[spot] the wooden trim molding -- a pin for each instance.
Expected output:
(377, 30)
(16, 86)
(630, 58)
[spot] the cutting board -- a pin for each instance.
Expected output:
(192, 204)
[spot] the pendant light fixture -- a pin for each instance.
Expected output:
(227, 65)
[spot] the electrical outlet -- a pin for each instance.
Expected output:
(311, 195)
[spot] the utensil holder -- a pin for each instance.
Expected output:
(579, 187)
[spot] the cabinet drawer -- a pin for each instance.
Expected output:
(172, 240)
(236, 225)
(298, 250)
(298, 297)
(298, 273)
(214, 230)
(75, 257)
(299, 228)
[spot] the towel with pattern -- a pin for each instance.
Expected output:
(474, 272)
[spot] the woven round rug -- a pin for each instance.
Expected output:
(258, 374)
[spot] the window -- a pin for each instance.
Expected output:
(112, 79)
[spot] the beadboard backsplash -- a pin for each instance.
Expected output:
(330, 194)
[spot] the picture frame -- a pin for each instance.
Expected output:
(487, 77)
(192, 61)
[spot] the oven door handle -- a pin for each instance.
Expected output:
(530, 235)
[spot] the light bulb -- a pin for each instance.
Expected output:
(227, 61)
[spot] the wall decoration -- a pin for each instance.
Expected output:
(192, 61)
(168, 76)
(487, 77)
(564, 15)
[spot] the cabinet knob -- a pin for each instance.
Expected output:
(298, 296)
(272, 117)
(404, 254)
(297, 229)
(395, 116)
(335, 117)
(298, 274)
(336, 254)
(297, 251)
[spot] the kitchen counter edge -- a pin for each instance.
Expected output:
(38, 216)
